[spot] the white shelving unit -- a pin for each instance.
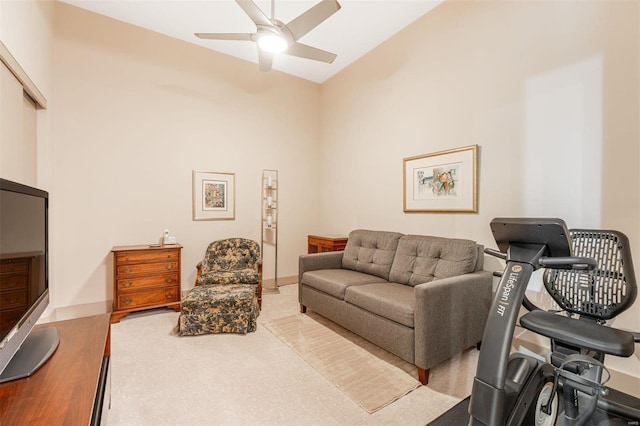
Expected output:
(270, 216)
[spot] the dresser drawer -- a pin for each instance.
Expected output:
(147, 256)
(13, 299)
(14, 266)
(9, 282)
(136, 299)
(147, 281)
(146, 268)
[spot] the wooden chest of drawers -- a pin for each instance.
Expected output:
(145, 277)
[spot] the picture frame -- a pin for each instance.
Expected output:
(442, 182)
(213, 196)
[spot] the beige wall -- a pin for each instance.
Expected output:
(548, 90)
(25, 29)
(136, 113)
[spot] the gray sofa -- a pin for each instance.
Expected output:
(421, 298)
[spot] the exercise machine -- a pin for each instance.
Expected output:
(589, 274)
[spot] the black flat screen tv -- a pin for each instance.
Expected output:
(24, 280)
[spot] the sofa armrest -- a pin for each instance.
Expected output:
(450, 315)
(316, 261)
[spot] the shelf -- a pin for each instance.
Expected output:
(269, 221)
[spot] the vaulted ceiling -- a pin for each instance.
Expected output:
(358, 27)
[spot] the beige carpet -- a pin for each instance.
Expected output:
(159, 378)
(365, 378)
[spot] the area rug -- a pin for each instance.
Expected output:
(368, 380)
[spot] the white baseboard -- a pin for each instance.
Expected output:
(271, 283)
(77, 311)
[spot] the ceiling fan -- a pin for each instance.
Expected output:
(274, 36)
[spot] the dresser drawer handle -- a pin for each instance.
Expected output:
(127, 284)
(126, 301)
(169, 295)
(169, 280)
(127, 270)
(169, 266)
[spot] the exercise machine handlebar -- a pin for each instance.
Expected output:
(559, 262)
(568, 262)
(496, 253)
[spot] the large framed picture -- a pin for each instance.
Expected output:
(445, 181)
(213, 196)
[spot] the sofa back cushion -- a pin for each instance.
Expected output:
(420, 259)
(371, 252)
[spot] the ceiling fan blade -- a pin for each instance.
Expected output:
(303, 51)
(255, 13)
(225, 36)
(312, 18)
(265, 60)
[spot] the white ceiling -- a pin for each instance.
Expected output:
(358, 27)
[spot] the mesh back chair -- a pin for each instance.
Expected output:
(606, 291)
(590, 298)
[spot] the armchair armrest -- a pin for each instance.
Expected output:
(450, 315)
(198, 271)
(316, 261)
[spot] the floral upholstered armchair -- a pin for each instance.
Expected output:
(231, 261)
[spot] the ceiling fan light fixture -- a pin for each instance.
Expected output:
(272, 43)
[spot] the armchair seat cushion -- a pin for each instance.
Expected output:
(219, 309)
(245, 276)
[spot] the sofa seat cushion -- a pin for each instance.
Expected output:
(420, 259)
(389, 300)
(336, 281)
(371, 252)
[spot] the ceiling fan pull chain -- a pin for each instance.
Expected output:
(273, 10)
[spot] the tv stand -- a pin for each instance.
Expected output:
(73, 387)
(36, 349)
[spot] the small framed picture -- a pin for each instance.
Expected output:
(445, 181)
(213, 196)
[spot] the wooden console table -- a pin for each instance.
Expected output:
(324, 243)
(72, 387)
